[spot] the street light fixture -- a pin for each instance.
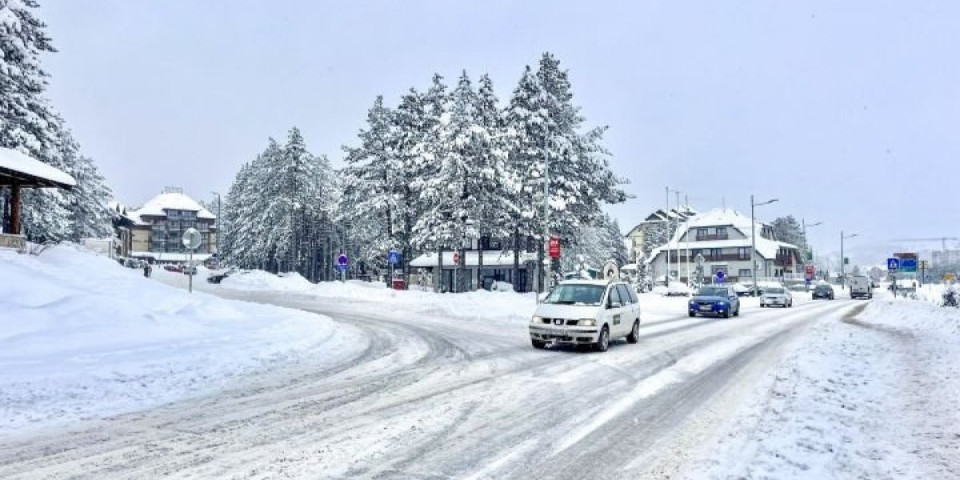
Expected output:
(843, 260)
(753, 240)
(805, 225)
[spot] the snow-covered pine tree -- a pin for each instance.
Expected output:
(372, 187)
(27, 121)
(550, 141)
(89, 216)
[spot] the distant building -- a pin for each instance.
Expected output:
(723, 238)
(644, 237)
(945, 258)
(159, 225)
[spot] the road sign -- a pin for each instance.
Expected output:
(908, 265)
(554, 247)
(809, 270)
(720, 276)
(456, 258)
(903, 255)
(893, 264)
(949, 277)
(191, 239)
(342, 261)
(393, 257)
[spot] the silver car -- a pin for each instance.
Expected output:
(778, 296)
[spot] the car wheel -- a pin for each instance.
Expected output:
(736, 312)
(634, 336)
(692, 314)
(538, 344)
(726, 314)
(603, 343)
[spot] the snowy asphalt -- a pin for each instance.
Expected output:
(432, 397)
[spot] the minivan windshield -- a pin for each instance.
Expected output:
(712, 292)
(576, 295)
(773, 290)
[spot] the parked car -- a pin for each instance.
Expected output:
(860, 287)
(741, 290)
(586, 313)
(776, 296)
(718, 300)
(218, 276)
(171, 267)
(822, 291)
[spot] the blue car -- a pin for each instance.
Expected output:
(718, 300)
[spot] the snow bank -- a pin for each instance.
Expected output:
(867, 397)
(82, 337)
(496, 306)
(260, 280)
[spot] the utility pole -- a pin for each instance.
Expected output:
(843, 259)
(216, 231)
(753, 240)
(666, 281)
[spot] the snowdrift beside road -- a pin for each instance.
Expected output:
(495, 306)
(82, 337)
(869, 397)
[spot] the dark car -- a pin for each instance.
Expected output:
(217, 277)
(823, 291)
(718, 300)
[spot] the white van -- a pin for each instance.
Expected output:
(587, 312)
(861, 287)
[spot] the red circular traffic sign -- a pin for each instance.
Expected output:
(456, 258)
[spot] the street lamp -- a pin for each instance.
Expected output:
(806, 244)
(843, 259)
(753, 240)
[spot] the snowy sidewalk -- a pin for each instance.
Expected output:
(83, 338)
(873, 396)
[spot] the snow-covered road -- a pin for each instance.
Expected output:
(433, 396)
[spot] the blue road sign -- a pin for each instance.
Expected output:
(393, 257)
(720, 276)
(908, 265)
(893, 264)
(342, 260)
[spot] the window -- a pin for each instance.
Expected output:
(624, 294)
(716, 253)
(575, 294)
(633, 295)
(744, 273)
(701, 232)
(721, 232)
(614, 297)
(743, 253)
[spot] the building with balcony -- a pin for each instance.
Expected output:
(658, 226)
(160, 223)
(723, 238)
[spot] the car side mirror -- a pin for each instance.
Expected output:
(615, 305)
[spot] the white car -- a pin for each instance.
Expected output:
(586, 312)
(776, 296)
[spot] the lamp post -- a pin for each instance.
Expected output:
(753, 240)
(843, 260)
(216, 232)
(805, 242)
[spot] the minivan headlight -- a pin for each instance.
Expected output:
(587, 322)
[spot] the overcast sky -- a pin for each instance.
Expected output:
(848, 112)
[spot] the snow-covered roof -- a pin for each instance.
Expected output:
(491, 258)
(26, 170)
(156, 206)
(724, 217)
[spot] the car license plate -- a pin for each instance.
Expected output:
(706, 308)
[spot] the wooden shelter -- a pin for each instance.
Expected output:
(17, 172)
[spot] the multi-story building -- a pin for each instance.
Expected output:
(656, 229)
(723, 238)
(160, 223)
(945, 258)
(486, 260)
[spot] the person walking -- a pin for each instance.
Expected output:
(146, 269)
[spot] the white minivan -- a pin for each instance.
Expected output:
(587, 312)
(861, 287)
